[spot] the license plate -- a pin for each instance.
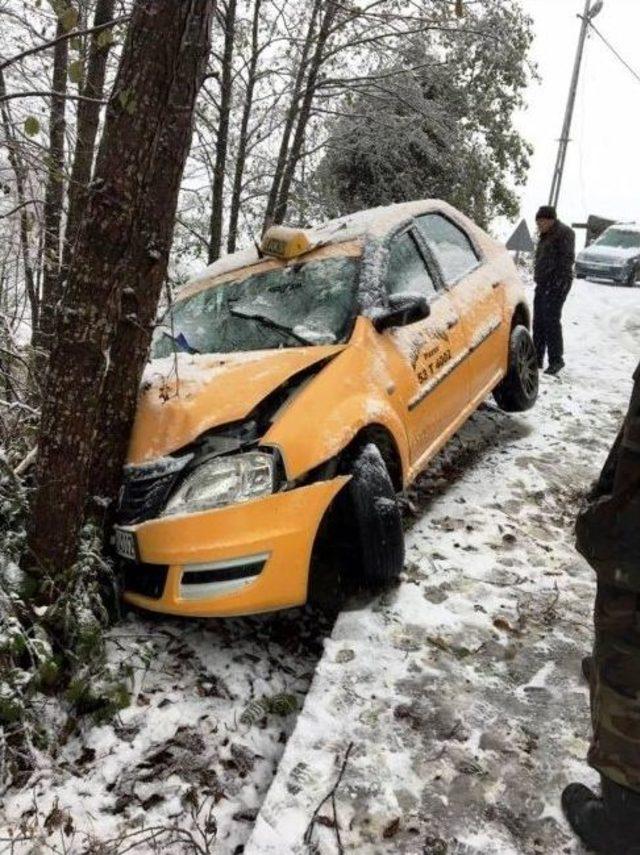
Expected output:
(126, 544)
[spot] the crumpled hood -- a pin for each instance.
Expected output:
(181, 397)
(608, 254)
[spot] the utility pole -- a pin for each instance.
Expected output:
(591, 9)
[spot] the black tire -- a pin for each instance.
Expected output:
(518, 391)
(631, 281)
(377, 523)
(360, 545)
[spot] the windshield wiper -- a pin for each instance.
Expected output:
(181, 342)
(270, 323)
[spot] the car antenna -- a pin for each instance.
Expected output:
(259, 250)
(173, 337)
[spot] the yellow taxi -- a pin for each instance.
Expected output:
(295, 389)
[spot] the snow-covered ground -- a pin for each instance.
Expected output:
(188, 764)
(457, 696)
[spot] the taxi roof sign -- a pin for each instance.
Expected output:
(284, 242)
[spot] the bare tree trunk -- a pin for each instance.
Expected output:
(120, 258)
(87, 128)
(20, 174)
(243, 140)
(292, 114)
(280, 211)
(222, 141)
(54, 194)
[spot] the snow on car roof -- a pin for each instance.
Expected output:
(375, 222)
(627, 227)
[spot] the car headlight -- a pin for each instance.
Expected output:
(223, 481)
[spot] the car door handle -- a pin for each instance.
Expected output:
(453, 323)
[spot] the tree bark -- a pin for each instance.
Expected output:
(86, 130)
(54, 195)
(20, 173)
(222, 140)
(119, 264)
(236, 193)
(288, 173)
(292, 114)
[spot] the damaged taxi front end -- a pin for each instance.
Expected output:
(216, 527)
(214, 519)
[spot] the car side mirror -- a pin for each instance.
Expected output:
(403, 309)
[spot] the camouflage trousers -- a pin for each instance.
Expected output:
(615, 686)
(608, 535)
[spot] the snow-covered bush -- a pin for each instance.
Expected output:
(53, 663)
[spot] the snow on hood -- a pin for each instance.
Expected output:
(183, 396)
(608, 253)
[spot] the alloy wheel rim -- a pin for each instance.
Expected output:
(528, 367)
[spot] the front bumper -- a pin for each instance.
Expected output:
(252, 557)
(590, 270)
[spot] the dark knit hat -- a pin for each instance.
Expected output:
(547, 212)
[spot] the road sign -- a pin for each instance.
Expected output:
(521, 240)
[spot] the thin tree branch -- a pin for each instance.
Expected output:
(19, 208)
(35, 93)
(72, 34)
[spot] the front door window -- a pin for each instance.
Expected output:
(407, 272)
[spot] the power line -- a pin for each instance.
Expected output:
(615, 52)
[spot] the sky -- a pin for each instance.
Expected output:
(602, 175)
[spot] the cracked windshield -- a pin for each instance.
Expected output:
(294, 306)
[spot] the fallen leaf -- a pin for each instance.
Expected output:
(392, 828)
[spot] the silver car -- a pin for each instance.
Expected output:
(615, 256)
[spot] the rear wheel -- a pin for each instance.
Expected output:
(518, 391)
(361, 542)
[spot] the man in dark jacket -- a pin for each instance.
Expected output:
(608, 535)
(555, 257)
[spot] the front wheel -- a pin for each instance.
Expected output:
(518, 391)
(631, 280)
(361, 543)
(378, 538)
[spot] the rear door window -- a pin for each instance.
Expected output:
(450, 246)
(407, 272)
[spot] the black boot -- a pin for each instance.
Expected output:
(555, 368)
(587, 817)
(609, 825)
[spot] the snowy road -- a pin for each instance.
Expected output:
(459, 691)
